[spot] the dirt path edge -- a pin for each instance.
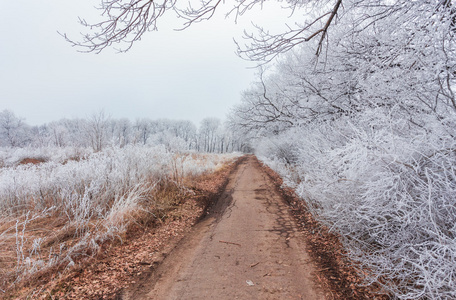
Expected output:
(335, 271)
(213, 206)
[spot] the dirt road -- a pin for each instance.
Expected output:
(247, 248)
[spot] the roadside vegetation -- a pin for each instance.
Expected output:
(57, 213)
(366, 137)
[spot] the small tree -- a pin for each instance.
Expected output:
(13, 130)
(208, 133)
(96, 130)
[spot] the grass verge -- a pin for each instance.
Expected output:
(121, 261)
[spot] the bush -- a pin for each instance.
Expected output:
(389, 192)
(56, 211)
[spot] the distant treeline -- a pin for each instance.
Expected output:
(100, 130)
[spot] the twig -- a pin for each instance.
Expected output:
(254, 265)
(230, 243)
(325, 269)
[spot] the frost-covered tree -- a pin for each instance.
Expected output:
(96, 129)
(128, 20)
(185, 130)
(121, 132)
(13, 131)
(59, 134)
(208, 134)
(143, 129)
(369, 131)
(40, 136)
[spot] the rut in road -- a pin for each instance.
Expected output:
(247, 248)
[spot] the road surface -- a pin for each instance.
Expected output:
(248, 247)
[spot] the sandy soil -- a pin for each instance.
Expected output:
(248, 247)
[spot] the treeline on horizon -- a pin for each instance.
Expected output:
(99, 130)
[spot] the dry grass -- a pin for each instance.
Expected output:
(38, 246)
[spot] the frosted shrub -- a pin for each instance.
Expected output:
(282, 147)
(281, 154)
(81, 188)
(97, 198)
(13, 156)
(197, 164)
(125, 205)
(87, 187)
(390, 192)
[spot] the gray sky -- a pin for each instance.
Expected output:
(189, 74)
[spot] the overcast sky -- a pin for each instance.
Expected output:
(189, 74)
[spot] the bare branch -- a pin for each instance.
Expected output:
(192, 15)
(266, 46)
(125, 22)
